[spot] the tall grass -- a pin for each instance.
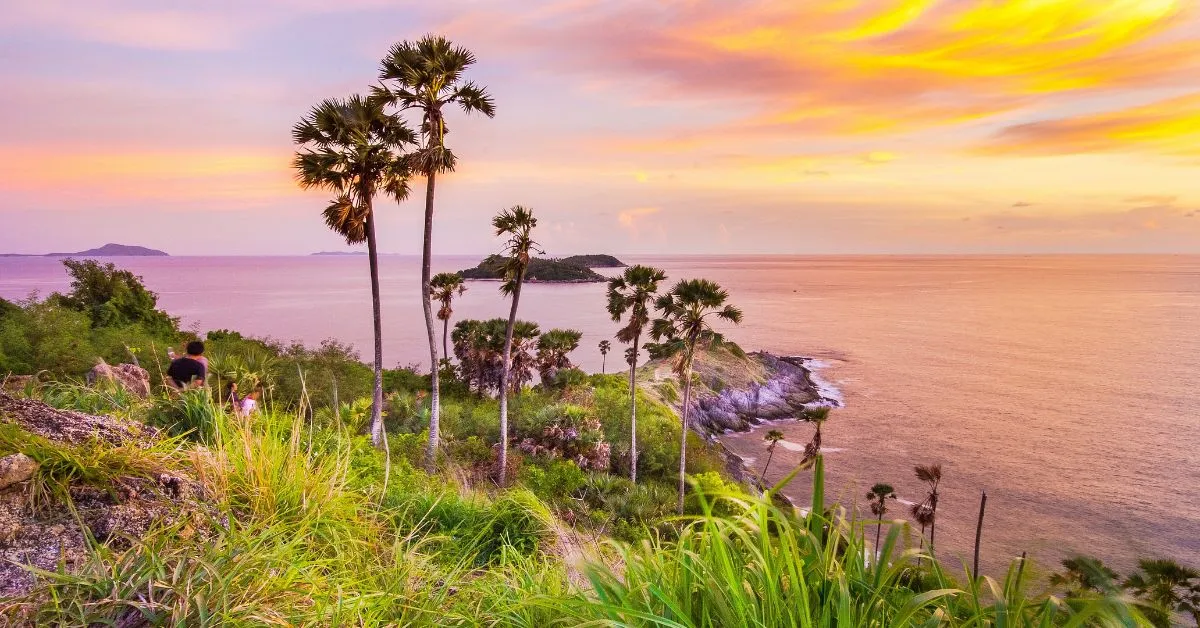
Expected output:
(769, 566)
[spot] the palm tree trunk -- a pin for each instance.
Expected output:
(633, 452)
(604, 364)
(377, 398)
(687, 399)
(770, 454)
(922, 546)
(435, 392)
(504, 373)
(978, 534)
(445, 335)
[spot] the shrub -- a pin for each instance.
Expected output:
(556, 480)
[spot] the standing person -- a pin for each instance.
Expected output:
(234, 399)
(250, 403)
(191, 369)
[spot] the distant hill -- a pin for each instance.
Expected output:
(114, 250)
(593, 261)
(338, 253)
(540, 270)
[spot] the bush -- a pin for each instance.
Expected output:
(556, 480)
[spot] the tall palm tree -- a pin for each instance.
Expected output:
(443, 288)
(517, 223)
(685, 323)
(632, 292)
(352, 148)
(1166, 587)
(605, 347)
(772, 437)
(931, 475)
(427, 76)
(878, 496)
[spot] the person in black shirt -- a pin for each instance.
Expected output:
(191, 368)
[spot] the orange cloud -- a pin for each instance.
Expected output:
(157, 175)
(1169, 127)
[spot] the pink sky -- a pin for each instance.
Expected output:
(689, 126)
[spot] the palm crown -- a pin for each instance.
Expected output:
(428, 75)
(878, 496)
(351, 147)
(517, 223)
(631, 292)
(443, 287)
(686, 313)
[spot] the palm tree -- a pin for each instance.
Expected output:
(932, 476)
(878, 496)
(517, 223)
(552, 349)
(773, 437)
(427, 76)
(1084, 574)
(443, 288)
(632, 292)
(352, 148)
(817, 416)
(685, 324)
(1166, 587)
(923, 515)
(605, 347)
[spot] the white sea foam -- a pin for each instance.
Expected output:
(830, 394)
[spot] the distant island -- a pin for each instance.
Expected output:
(338, 253)
(593, 261)
(108, 250)
(574, 269)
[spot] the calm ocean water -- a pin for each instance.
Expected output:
(1068, 387)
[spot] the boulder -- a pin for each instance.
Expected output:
(131, 377)
(16, 468)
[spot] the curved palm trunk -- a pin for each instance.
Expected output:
(435, 392)
(377, 398)
(633, 451)
(504, 374)
(770, 454)
(687, 401)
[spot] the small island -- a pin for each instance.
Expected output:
(108, 250)
(575, 269)
(337, 253)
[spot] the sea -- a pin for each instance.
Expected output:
(1066, 387)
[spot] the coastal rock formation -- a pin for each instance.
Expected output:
(37, 530)
(734, 394)
(131, 377)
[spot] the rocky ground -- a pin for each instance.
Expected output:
(42, 530)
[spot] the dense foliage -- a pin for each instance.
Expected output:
(540, 269)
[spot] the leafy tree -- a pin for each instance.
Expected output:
(352, 148)
(605, 347)
(552, 349)
(631, 294)
(517, 223)
(878, 496)
(444, 287)
(427, 76)
(1166, 587)
(925, 512)
(1084, 574)
(772, 438)
(685, 323)
(112, 297)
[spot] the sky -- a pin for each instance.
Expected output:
(629, 126)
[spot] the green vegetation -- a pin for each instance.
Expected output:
(592, 261)
(540, 269)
